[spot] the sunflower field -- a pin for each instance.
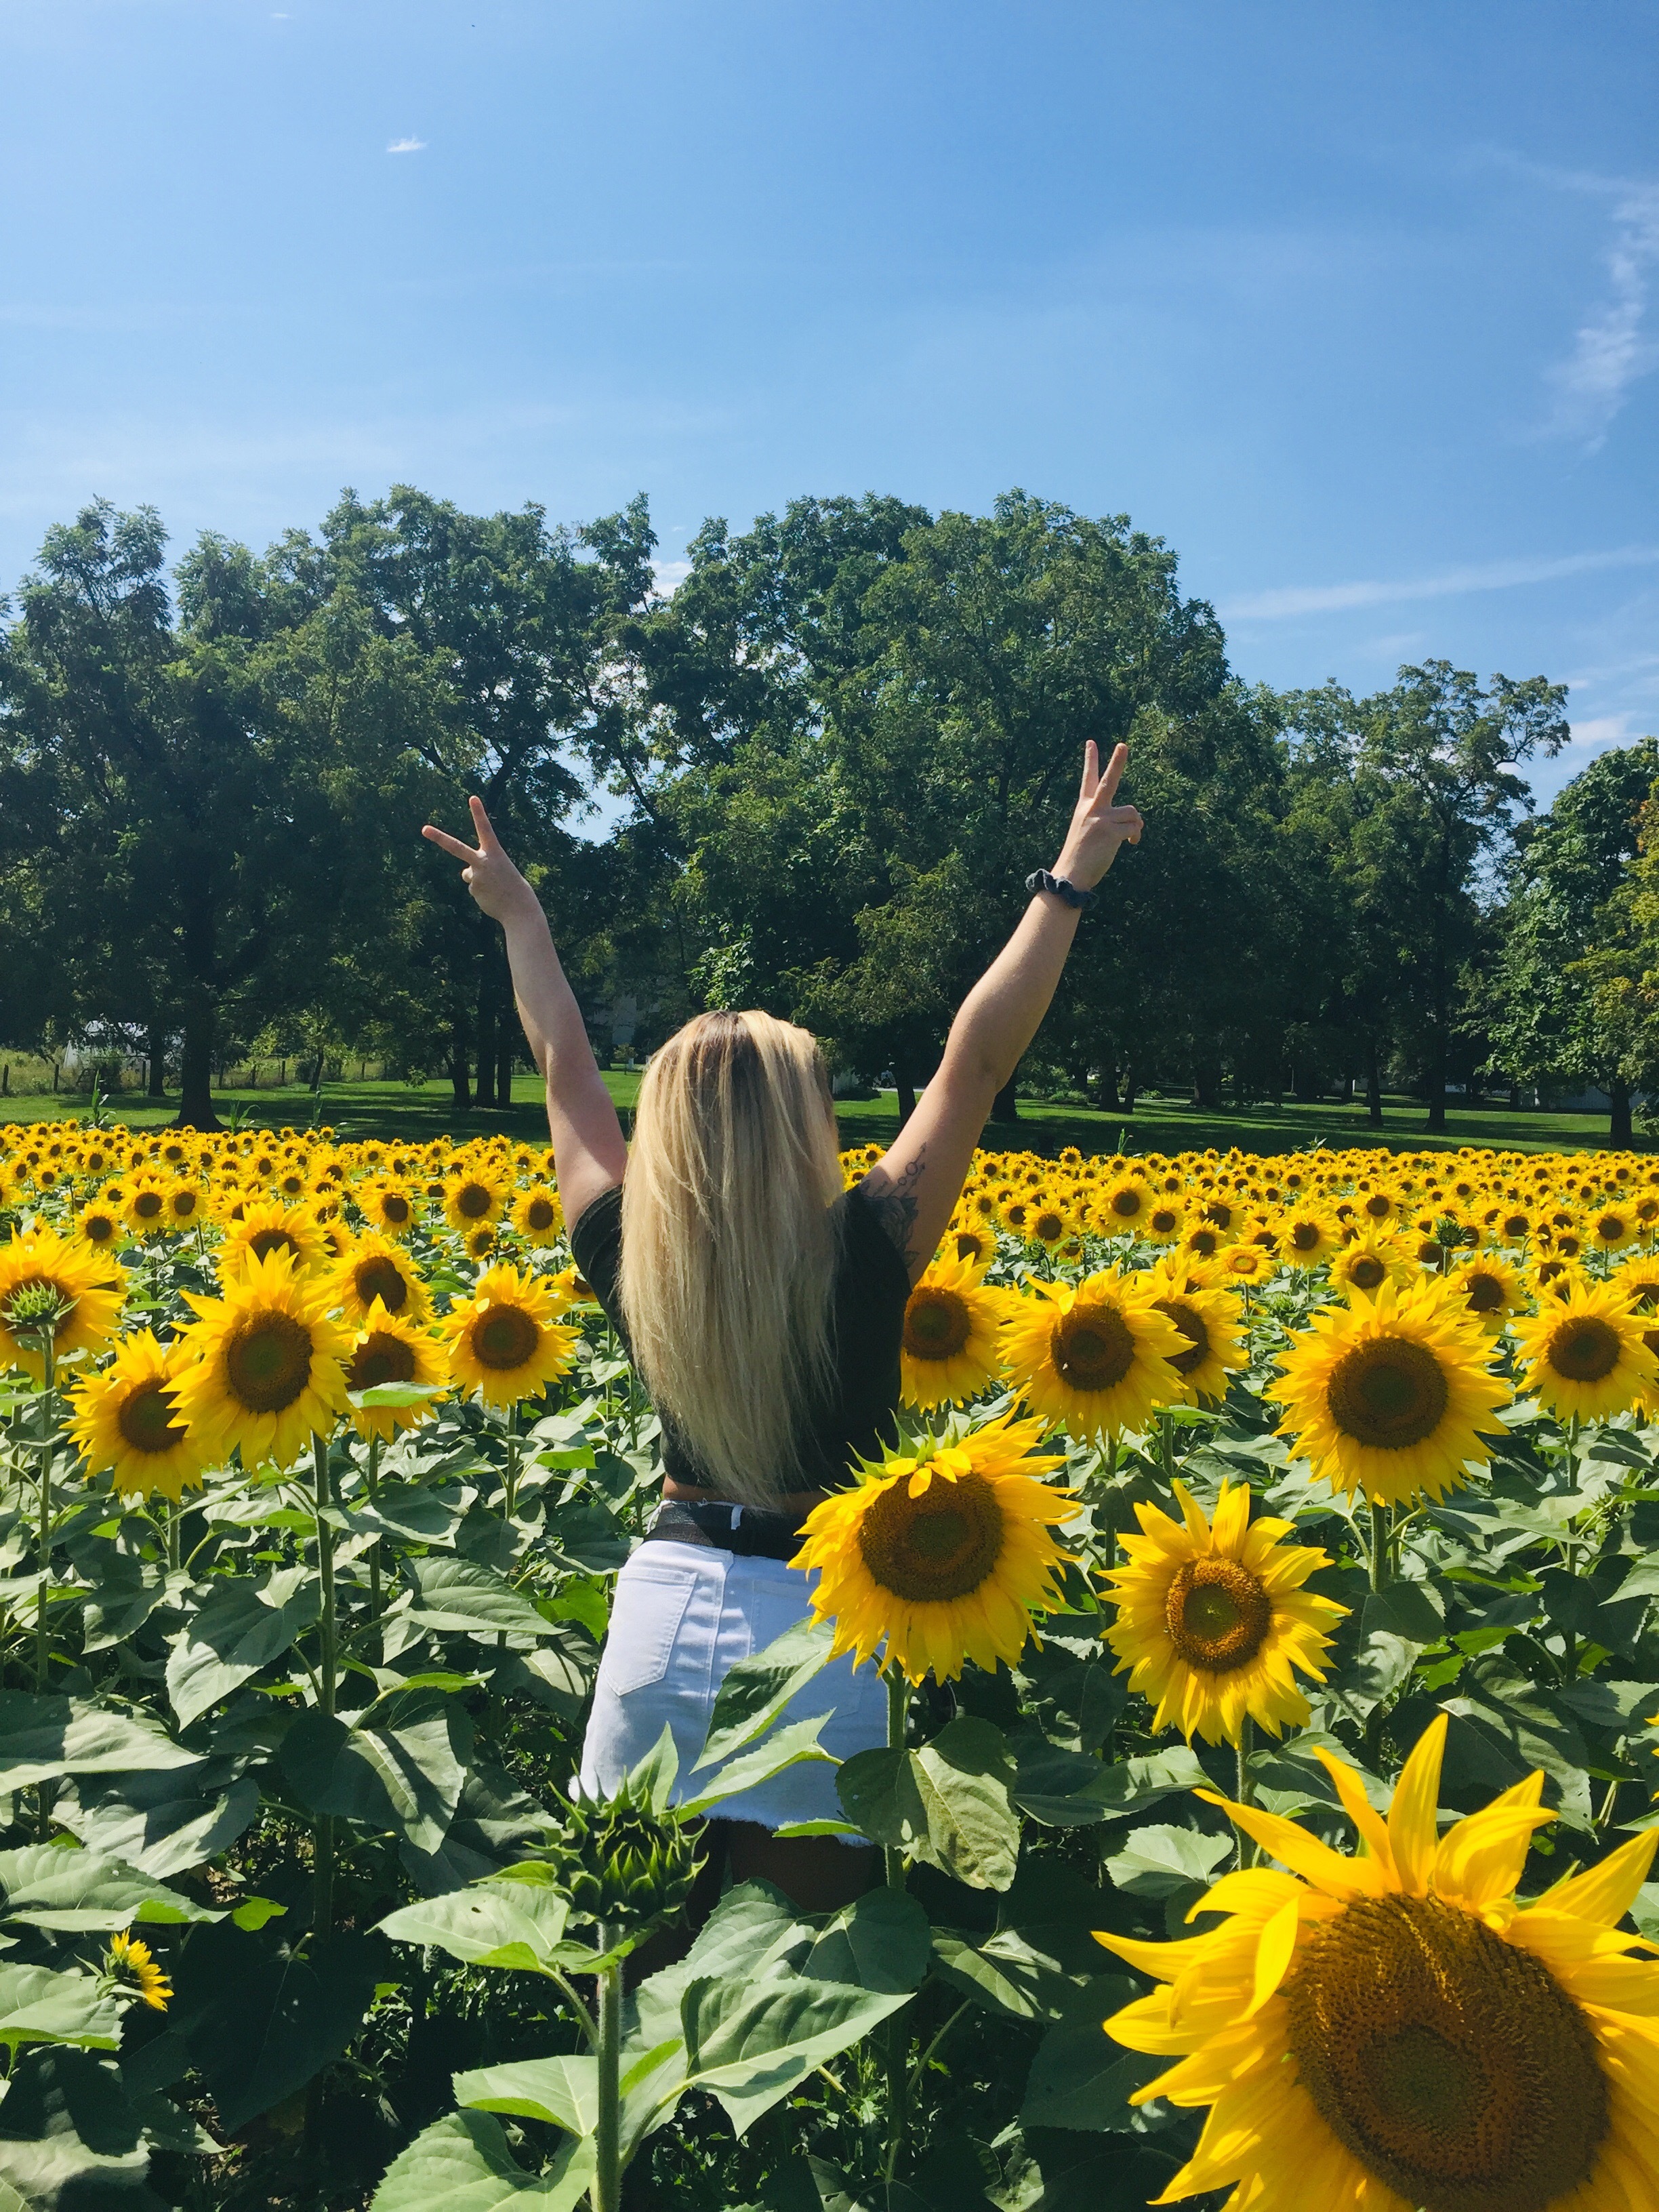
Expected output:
(1262, 1583)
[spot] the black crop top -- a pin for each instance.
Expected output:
(871, 1290)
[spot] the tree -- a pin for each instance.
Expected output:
(1567, 1001)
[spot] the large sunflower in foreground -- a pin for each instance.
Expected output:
(942, 1552)
(505, 1341)
(1390, 1394)
(125, 1419)
(266, 1373)
(260, 1228)
(1214, 1621)
(950, 1347)
(390, 1349)
(1095, 1357)
(1587, 1353)
(88, 1286)
(1398, 2030)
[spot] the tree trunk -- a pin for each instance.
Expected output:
(1373, 1085)
(1206, 1083)
(1131, 1089)
(1619, 1120)
(904, 1085)
(1109, 1101)
(485, 1091)
(460, 1082)
(155, 1047)
(196, 1069)
(504, 1059)
(1005, 1107)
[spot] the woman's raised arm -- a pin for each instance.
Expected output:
(918, 1182)
(587, 1138)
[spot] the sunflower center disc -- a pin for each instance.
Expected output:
(380, 1279)
(265, 1241)
(394, 1209)
(1583, 1349)
(268, 1361)
(504, 1337)
(936, 1325)
(935, 1548)
(1217, 1614)
(473, 1200)
(380, 1359)
(1485, 1294)
(1165, 1222)
(1389, 1392)
(539, 1215)
(1188, 1320)
(1367, 1274)
(1305, 1236)
(1450, 2064)
(146, 1420)
(1126, 1204)
(1093, 1349)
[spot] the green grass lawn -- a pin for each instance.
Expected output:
(414, 1112)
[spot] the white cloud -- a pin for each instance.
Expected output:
(1606, 729)
(669, 575)
(1293, 599)
(1613, 349)
(407, 146)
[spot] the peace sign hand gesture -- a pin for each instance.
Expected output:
(1099, 825)
(489, 874)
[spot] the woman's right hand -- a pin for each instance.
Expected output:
(1099, 826)
(487, 874)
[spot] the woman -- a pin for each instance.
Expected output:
(764, 1311)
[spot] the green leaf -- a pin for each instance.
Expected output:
(44, 1738)
(397, 1394)
(459, 1596)
(253, 1913)
(161, 1823)
(260, 2023)
(493, 1923)
(70, 2138)
(242, 1626)
(562, 2091)
(757, 1689)
(947, 1803)
(1413, 1611)
(404, 1772)
(81, 1892)
(749, 2044)
(1081, 2079)
(37, 2005)
(1062, 1789)
(1159, 1862)
(882, 1941)
(785, 1747)
(462, 2163)
(412, 1511)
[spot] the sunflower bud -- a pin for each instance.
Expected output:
(37, 1311)
(622, 1863)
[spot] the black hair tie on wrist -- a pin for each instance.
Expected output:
(1040, 880)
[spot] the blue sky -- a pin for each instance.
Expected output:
(1356, 305)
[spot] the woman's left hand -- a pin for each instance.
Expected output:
(1099, 826)
(489, 874)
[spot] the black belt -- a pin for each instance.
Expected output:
(749, 1531)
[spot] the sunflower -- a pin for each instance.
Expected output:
(98, 1224)
(1164, 1220)
(472, 1197)
(1587, 1354)
(131, 1965)
(125, 1419)
(1122, 1207)
(1390, 1394)
(389, 1207)
(943, 1552)
(391, 1349)
(1095, 1358)
(1052, 1222)
(1399, 2029)
(268, 1228)
(505, 1341)
(538, 1215)
(1207, 1318)
(1212, 1619)
(1308, 1238)
(950, 1348)
(1373, 1258)
(266, 1374)
(478, 1244)
(1490, 1288)
(88, 1286)
(972, 1240)
(1611, 1228)
(1243, 1264)
(146, 1207)
(374, 1269)
(1637, 1283)
(187, 1205)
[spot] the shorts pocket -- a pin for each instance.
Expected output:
(645, 1619)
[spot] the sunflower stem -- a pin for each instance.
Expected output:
(1380, 1562)
(896, 2041)
(48, 1437)
(322, 1895)
(898, 1713)
(175, 1516)
(607, 2124)
(1166, 1445)
(372, 1480)
(510, 1492)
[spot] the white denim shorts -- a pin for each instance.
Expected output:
(683, 1616)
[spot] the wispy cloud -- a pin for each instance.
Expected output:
(407, 146)
(1292, 599)
(669, 575)
(1613, 349)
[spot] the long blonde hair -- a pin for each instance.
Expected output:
(728, 1245)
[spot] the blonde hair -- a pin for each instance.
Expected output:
(728, 1246)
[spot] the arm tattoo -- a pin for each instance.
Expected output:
(897, 1209)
